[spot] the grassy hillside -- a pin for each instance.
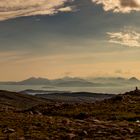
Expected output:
(76, 96)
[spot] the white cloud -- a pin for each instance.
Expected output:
(66, 9)
(127, 37)
(19, 8)
(123, 6)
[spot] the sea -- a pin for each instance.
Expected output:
(109, 89)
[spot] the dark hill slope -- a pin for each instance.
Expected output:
(15, 100)
(73, 97)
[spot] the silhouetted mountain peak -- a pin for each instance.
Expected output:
(34, 80)
(133, 79)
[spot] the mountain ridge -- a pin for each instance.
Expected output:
(76, 81)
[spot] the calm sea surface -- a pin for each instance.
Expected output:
(113, 90)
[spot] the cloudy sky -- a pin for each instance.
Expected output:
(56, 38)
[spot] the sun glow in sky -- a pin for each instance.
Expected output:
(56, 38)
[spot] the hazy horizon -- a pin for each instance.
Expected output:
(63, 77)
(76, 38)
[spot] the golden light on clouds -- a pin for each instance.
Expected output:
(127, 37)
(122, 6)
(20, 8)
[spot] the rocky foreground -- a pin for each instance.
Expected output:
(24, 117)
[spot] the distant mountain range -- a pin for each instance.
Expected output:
(66, 81)
(76, 82)
(115, 80)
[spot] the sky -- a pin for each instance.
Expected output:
(78, 38)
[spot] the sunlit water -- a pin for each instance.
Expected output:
(112, 90)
